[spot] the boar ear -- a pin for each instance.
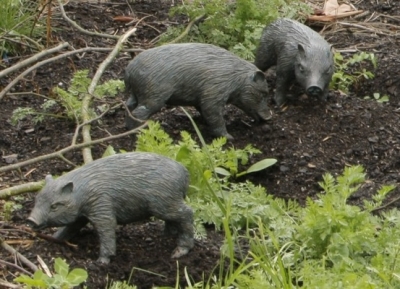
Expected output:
(67, 188)
(302, 51)
(258, 76)
(48, 179)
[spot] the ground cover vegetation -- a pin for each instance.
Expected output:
(267, 241)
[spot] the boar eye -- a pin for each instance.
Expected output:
(55, 206)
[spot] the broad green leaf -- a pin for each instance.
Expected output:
(61, 267)
(263, 164)
(77, 276)
(258, 166)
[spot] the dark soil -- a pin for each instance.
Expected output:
(308, 139)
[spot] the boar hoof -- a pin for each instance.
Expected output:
(103, 260)
(179, 252)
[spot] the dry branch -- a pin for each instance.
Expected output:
(32, 59)
(67, 149)
(187, 30)
(58, 57)
(86, 151)
(23, 259)
(74, 24)
(20, 189)
(6, 284)
(15, 266)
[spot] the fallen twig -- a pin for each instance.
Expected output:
(32, 59)
(58, 57)
(23, 259)
(67, 149)
(20, 189)
(9, 285)
(74, 24)
(187, 30)
(86, 151)
(16, 267)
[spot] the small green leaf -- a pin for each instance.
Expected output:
(61, 267)
(77, 276)
(37, 281)
(384, 98)
(183, 153)
(207, 174)
(109, 151)
(222, 171)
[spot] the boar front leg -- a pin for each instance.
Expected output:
(324, 95)
(213, 115)
(69, 231)
(106, 231)
(283, 79)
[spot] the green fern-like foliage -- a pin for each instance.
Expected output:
(246, 202)
(331, 226)
(70, 100)
(234, 25)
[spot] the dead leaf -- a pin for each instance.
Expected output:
(333, 8)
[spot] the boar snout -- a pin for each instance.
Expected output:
(314, 91)
(265, 115)
(34, 224)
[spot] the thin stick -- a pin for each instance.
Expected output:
(67, 149)
(22, 258)
(15, 266)
(87, 99)
(10, 285)
(20, 189)
(74, 24)
(55, 58)
(187, 30)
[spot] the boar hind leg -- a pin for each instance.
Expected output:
(179, 220)
(69, 231)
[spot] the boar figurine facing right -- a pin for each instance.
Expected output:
(300, 54)
(194, 74)
(118, 189)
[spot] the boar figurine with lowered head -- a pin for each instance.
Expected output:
(300, 54)
(193, 74)
(118, 189)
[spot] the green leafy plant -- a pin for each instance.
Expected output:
(8, 208)
(350, 72)
(62, 279)
(378, 97)
(234, 25)
(70, 100)
(17, 30)
(208, 191)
